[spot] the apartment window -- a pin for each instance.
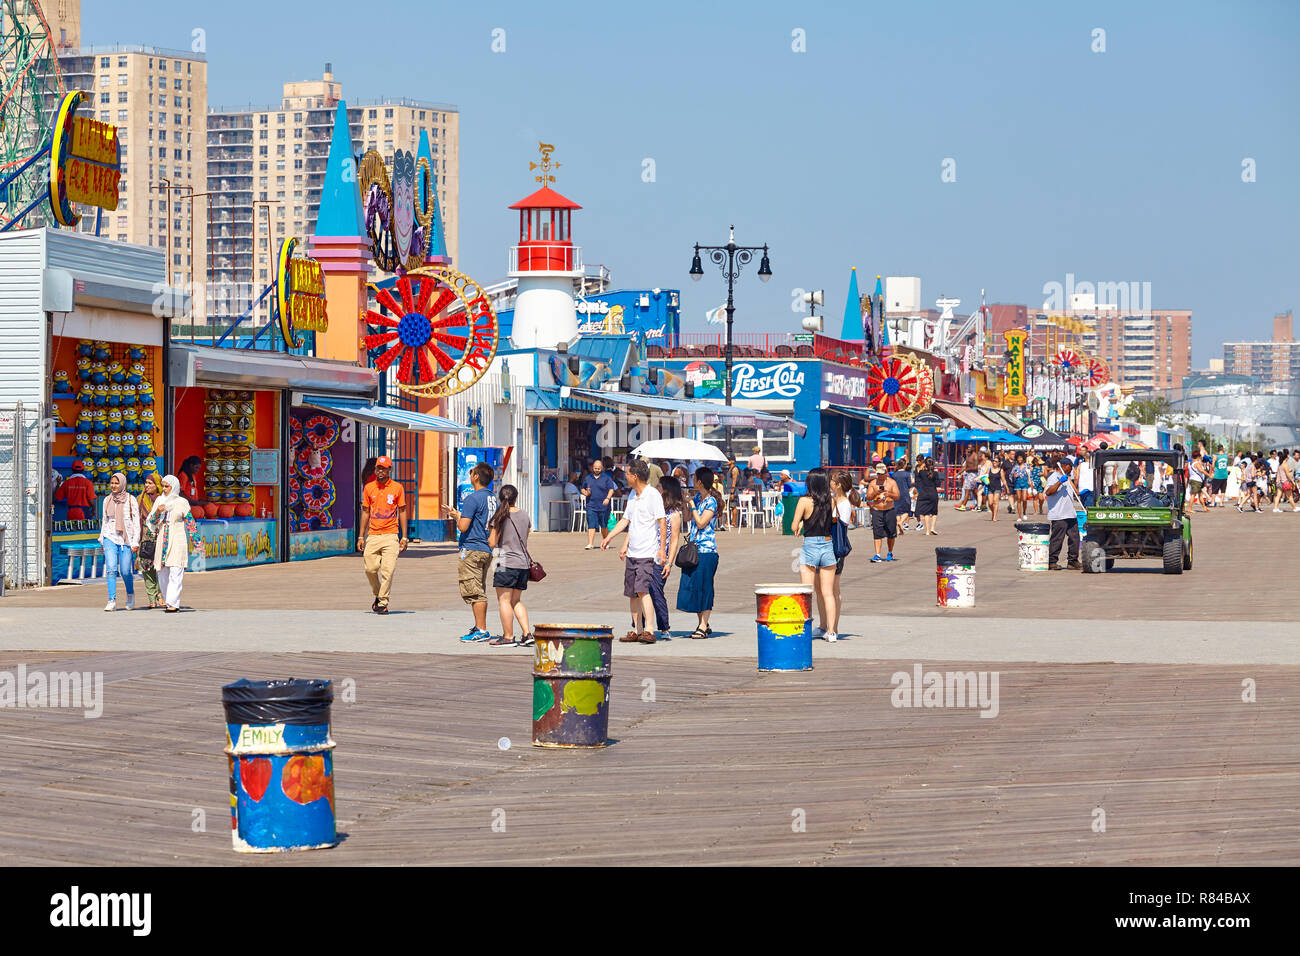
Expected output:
(104, 116)
(187, 156)
(261, 167)
(121, 237)
(162, 65)
(262, 181)
(187, 67)
(121, 79)
(151, 99)
(262, 119)
(176, 259)
(297, 211)
(150, 131)
(370, 132)
(105, 63)
(176, 84)
(279, 164)
(434, 132)
(374, 113)
(297, 117)
(279, 134)
(151, 82)
(176, 118)
(261, 151)
(104, 98)
(388, 129)
(176, 135)
(188, 103)
(279, 150)
(279, 118)
(176, 102)
(388, 114)
(162, 119)
(261, 134)
(177, 65)
(421, 114)
(279, 194)
(176, 154)
(297, 164)
(388, 145)
(279, 213)
(121, 116)
(263, 197)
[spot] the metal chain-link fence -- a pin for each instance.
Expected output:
(23, 494)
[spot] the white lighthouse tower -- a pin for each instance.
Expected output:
(545, 262)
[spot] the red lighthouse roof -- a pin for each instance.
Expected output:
(545, 198)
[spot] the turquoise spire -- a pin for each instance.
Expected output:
(340, 195)
(852, 330)
(437, 244)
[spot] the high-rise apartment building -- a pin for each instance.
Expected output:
(1145, 350)
(157, 98)
(1275, 361)
(266, 165)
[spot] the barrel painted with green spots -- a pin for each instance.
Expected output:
(571, 671)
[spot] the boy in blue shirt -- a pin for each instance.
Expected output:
(475, 552)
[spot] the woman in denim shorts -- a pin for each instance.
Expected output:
(814, 516)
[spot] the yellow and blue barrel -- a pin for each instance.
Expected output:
(784, 627)
(571, 671)
(281, 762)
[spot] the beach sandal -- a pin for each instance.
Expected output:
(502, 641)
(525, 641)
(699, 634)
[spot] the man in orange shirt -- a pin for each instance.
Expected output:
(383, 531)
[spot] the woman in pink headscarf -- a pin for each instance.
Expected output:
(119, 535)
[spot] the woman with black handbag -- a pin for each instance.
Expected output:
(149, 541)
(846, 502)
(700, 515)
(508, 530)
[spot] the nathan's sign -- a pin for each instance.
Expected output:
(85, 162)
(299, 295)
(1015, 381)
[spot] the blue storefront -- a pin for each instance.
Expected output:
(652, 315)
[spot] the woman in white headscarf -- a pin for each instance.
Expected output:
(172, 553)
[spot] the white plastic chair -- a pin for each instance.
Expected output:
(579, 504)
(748, 513)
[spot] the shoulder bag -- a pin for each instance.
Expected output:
(840, 539)
(535, 571)
(688, 555)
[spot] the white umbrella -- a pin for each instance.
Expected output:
(678, 449)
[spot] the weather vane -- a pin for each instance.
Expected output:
(546, 165)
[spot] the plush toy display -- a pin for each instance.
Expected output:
(86, 394)
(101, 395)
(85, 348)
(116, 373)
(136, 373)
(101, 352)
(99, 373)
(62, 386)
(129, 396)
(145, 392)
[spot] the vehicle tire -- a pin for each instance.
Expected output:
(1187, 556)
(1173, 555)
(1093, 557)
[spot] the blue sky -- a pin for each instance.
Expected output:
(1117, 166)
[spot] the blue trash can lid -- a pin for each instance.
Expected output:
(292, 701)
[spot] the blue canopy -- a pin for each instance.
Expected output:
(969, 434)
(893, 434)
(1004, 435)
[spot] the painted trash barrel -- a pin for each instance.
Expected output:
(571, 671)
(955, 573)
(784, 627)
(1033, 540)
(281, 764)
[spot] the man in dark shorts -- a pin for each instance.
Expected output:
(882, 493)
(1219, 483)
(644, 553)
(597, 489)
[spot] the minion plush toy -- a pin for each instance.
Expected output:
(86, 396)
(145, 391)
(148, 465)
(61, 384)
(143, 443)
(116, 373)
(135, 375)
(99, 421)
(133, 470)
(117, 464)
(131, 418)
(85, 422)
(83, 369)
(81, 444)
(135, 354)
(101, 353)
(129, 397)
(84, 349)
(146, 418)
(99, 373)
(103, 472)
(114, 399)
(99, 446)
(101, 395)
(114, 420)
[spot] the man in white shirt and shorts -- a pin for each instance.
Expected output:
(644, 552)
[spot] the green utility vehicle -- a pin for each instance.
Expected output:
(1137, 510)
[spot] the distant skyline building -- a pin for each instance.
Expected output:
(1275, 361)
(267, 166)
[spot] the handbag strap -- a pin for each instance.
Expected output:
(510, 520)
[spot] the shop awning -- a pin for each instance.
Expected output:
(708, 413)
(385, 416)
(1003, 419)
(192, 365)
(543, 402)
(864, 414)
(965, 416)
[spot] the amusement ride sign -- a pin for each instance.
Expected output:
(299, 295)
(85, 163)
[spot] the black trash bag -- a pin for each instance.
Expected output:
(1140, 497)
(943, 556)
(299, 702)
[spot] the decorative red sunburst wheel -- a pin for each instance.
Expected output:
(1067, 359)
(1098, 373)
(442, 327)
(898, 386)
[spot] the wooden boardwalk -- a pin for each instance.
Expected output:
(712, 771)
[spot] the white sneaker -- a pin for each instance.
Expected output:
(110, 606)
(130, 602)
(1277, 511)
(818, 633)
(832, 636)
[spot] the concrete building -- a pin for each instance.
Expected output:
(158, 100)
(1275, 361)
(267, 165)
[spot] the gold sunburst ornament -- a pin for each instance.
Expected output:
(442, 327)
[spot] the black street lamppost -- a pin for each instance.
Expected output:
(731, 258)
